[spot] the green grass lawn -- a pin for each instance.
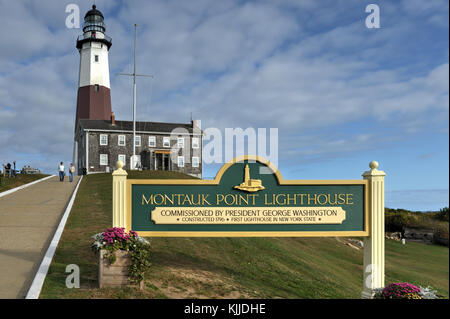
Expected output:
(7, 183)
(231, 267)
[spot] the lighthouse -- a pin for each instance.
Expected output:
(94, 91)
(249, 185)
(247, 175)
(100, 140)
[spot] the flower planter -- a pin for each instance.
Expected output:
(116, 274)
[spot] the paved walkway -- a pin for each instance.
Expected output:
(28, 220)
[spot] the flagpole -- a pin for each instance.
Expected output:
(134, 75)
(134, 97)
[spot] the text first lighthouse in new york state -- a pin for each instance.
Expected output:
(100, 140)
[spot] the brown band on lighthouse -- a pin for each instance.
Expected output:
(93, 103)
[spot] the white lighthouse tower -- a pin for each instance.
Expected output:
(94, 92)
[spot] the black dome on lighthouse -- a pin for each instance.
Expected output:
(94, 12)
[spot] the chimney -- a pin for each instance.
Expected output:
(194, 124)
(113, 119)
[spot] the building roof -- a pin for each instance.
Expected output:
(86, 124)
(94, 12)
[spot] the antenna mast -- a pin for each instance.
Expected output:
(134, 163)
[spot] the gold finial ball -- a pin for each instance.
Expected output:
(119, 164)
(373, 164)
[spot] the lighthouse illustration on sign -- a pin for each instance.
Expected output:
(249, 185)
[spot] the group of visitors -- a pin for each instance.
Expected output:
(62, 172)
(9, 170)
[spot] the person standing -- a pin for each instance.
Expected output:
(61, 172)
(71, 171)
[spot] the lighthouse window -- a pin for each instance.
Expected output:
(96, 87)
(96, 58)
(195, 161)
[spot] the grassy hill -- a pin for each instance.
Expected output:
(7, 183)
(232, 267)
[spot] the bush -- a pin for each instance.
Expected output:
(443, 214)
(397, 220)
(404, 290)
(113, 239)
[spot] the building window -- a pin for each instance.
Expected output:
(180, 161)
(166, 141)
(180, 142)
(138, 141)
(123, 158)
(137, 162)
(96, 58)
(96, 87)
(103, 159)
(121, 140)
(195, 142)
(152, 141)
(103, 139)
(195, 161)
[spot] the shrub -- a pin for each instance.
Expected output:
(404, 290)
(401, 290)
(116, 238)
(443, 214)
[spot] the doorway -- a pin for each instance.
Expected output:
(162, 162)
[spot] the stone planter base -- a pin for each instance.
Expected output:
(115, 275)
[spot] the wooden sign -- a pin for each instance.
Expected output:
(247, 198)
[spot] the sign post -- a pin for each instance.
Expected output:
(119, 199)
(249, 198)
(374, 244)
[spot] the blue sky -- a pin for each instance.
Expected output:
(341, 95)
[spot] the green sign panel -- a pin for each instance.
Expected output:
(247, 198)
